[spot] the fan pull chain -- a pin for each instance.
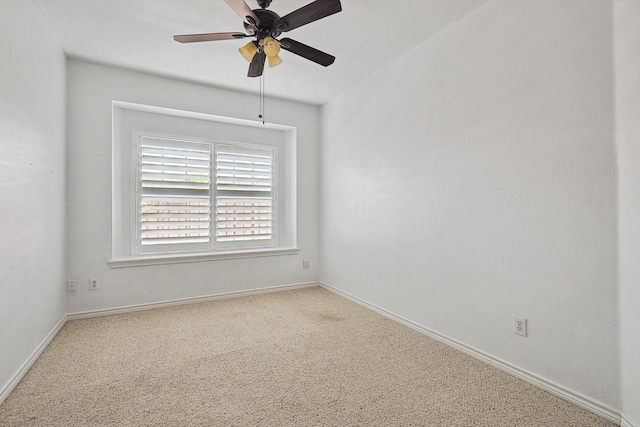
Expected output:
(261, 115)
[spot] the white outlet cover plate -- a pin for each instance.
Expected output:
(520, 326)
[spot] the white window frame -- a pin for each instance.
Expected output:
(134, 121)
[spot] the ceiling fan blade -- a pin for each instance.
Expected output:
(308, 52)
(191, 38)
(309, 13)
(257, 65)
(244, 12)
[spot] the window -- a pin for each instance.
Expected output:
(211, 187)
(187, 201)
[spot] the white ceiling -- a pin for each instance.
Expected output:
(138, 34)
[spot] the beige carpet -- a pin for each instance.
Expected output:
(297, 358)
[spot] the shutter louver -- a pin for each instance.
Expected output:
(244, 202)
(175, 191)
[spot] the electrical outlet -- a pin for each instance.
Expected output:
(520, 326)
(305, 263)
(72, 285)
(94, 284)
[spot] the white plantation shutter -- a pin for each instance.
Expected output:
(175, 192)
(244, 194)
(178, 182)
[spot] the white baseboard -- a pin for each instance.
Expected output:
(17, 377)
(627, 421)
(182, 301)
(574, 397)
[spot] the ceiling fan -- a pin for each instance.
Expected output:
(266, 25)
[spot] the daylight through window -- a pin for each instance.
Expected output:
(179, 183)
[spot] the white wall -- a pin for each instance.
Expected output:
(91, 90)
(32, 184)
(627, 65)
(475, 178)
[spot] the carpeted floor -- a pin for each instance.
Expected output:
(296, 358)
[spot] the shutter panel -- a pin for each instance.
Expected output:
(244, 202)
(175, 186)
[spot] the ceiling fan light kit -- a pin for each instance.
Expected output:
(271, 48)
(248, 51)
(266, 25)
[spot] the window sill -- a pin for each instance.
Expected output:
(156, 259)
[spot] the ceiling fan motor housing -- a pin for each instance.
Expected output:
(267, 27)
